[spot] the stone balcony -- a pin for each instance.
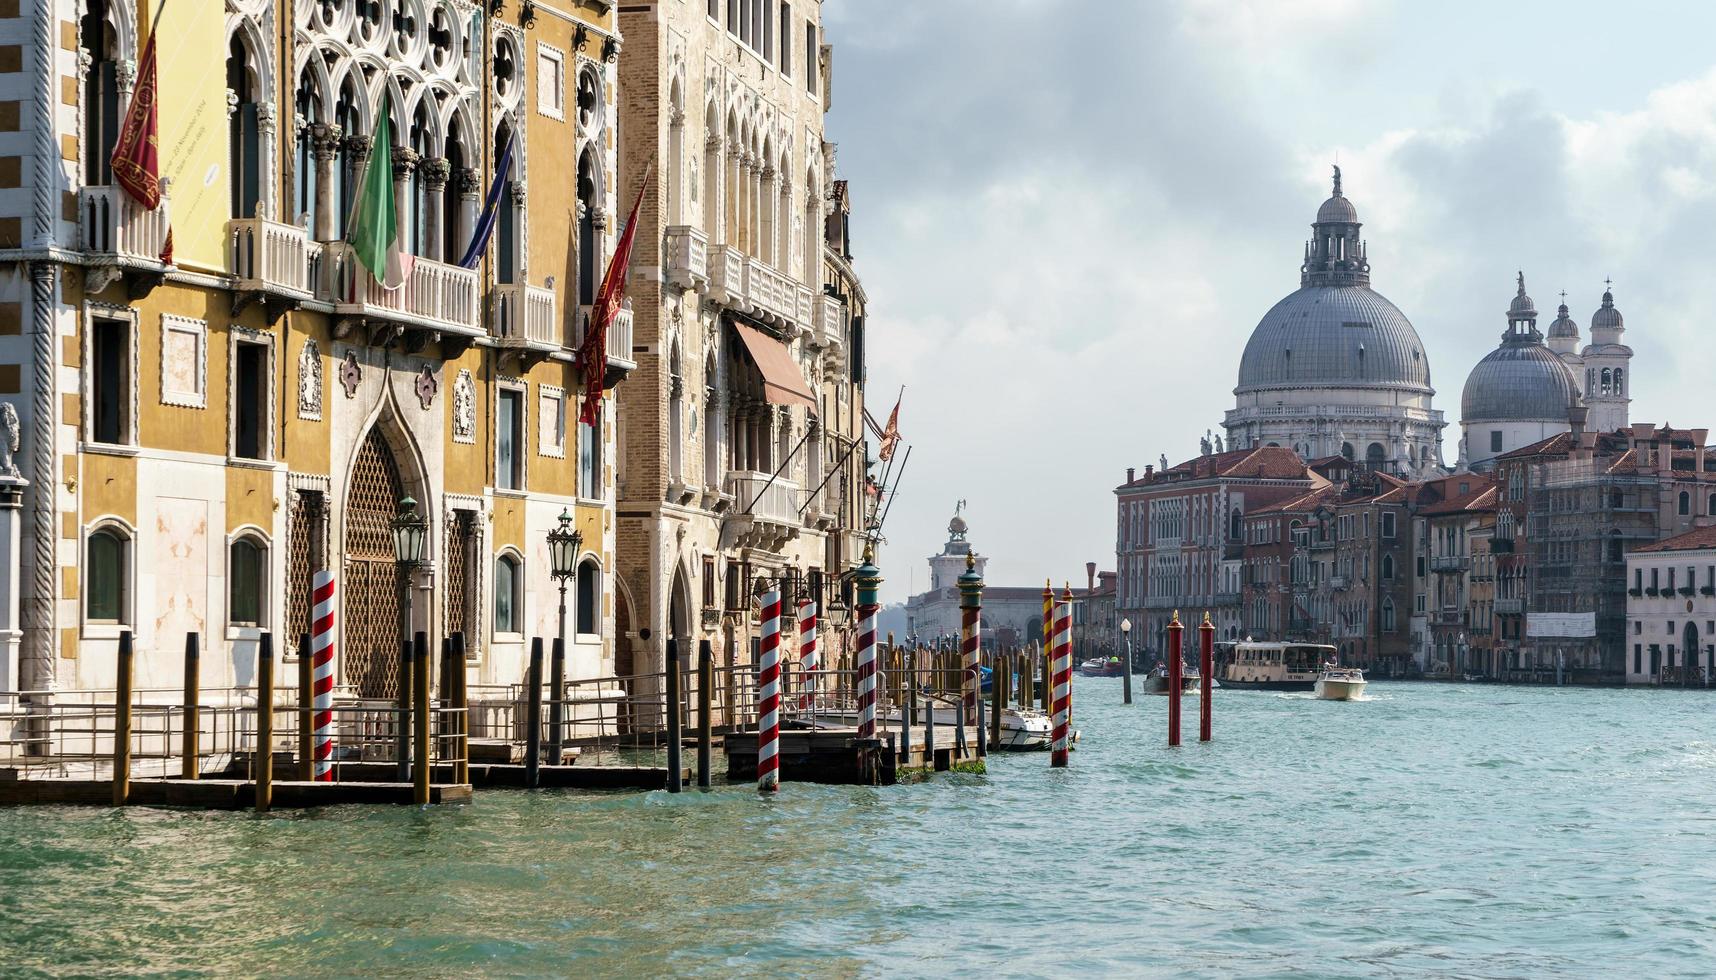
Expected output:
(765, 512)
(830, 322)
(272, 262)
(436, 301)
(122, 239)
(619, 342)
(1448, 563)
(523, 317)
(1510, 607)
(1339, 583)
(727, 278)
(687, 257)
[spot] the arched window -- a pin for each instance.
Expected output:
(675, 417)
(1347, 450)
(309, 105)
(710, 179)
(589, 597)
(589, 239)
(414, 206)
(506, 257)
(247, 582)
(1711, 509)
(351, 157)
(1374, 455)
(509, 594)
(455, 238)
(1606, 381)
(1620, 389)
(244, 141)
(107, 573)
(1685, 503)
(1387, 568)
(713, 423)
(100, 93)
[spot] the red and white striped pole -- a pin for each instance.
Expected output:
(869, 580)
(807, 651)
(769, 697)
(970, 639)
(322, 673)
(1063, 685)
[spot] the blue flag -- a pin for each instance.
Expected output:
(491, 208)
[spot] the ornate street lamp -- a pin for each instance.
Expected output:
(410, 545)
(564, 543)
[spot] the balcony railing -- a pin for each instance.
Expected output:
(1339, 582)
(764, 499)
(806, 304)
(524, 314)
(727, 277)
(434, 294)
(1448, 563)
(828, 321)
(1510, 607)
(687, 257)
(111, 223)
(1226, 598)
(269, 256)
(620, 340)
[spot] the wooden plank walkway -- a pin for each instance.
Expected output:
(217, 794)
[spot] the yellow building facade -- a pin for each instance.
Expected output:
(201, 431)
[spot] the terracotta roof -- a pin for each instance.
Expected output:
(1305, 502)
(1480, 499)
(1697, 539)
(1556, 445)
(1262, 463)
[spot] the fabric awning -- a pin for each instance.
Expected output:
(783, 382)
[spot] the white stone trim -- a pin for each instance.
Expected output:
(551, 91)
(199, 329)
(553, 449)
(103, 311)
(91, 630)
(237, 335)
(250, 631)
(522, 386)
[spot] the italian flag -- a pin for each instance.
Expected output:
(374, 226)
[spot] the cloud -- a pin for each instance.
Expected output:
(1069, 217)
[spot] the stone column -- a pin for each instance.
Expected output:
(325, 140)
(405, 161)
(266, 127)
(469, 183)
(11, 574)
(435, 174)
(38, 668)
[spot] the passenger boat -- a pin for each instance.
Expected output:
(1101, 667)
(1275, 665)
(1340, 683)
(1022, 729)
(1156, 682)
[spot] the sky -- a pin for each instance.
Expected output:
(1068, 216)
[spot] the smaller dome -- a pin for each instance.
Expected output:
(1337, 210)
(1563, 328)
(1523, 382)
(1607, 317)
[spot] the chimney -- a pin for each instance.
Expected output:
(1129, 474)
(1090, 576)
(1576, 418)
(1148, 469)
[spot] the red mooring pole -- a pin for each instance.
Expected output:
(1175, 679)
(1206, 672)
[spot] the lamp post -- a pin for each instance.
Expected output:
(563, 544)
(410, 541)
(1126, 669)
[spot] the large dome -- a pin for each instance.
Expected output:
(1519, 382)
(1334, 337)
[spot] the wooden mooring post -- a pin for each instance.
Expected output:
(420, 717)
(998, 699)
(1175, 678)
(190, 747)
(671, 704)
(402, 707)
(908, 705)
(1206, 676)
(306, 750)
(705, 712)
(122, 723)
(533, 717)
(556, 701)
(262, 760)
(462, 720)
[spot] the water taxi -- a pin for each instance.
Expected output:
(1101, 667)
(1156, 682)
(1340, 683)
(1275, 665)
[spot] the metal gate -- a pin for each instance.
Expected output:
(373, 584)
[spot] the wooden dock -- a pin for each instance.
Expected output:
(840, 757)
(216, 794)
(505, 775)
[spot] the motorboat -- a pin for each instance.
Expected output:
(1101, 667)
(1275, 665)
(1022, 729)
(1156, 681)
(1340, 683)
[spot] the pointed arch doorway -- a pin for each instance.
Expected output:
(372, 584)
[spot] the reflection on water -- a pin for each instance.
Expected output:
(1432, 828)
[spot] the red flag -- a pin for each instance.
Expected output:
(135, 155)
(593, 356)
(891, 434)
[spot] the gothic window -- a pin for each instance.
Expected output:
(1685, 506)
(309, 107)
(509, 439)
(247, 581)
(589, 616)
(244, 143)
(414, 203)
(1619, 389)
(110, 377)
(1387, 568)
(713, 423)
(589, 240)
(508, 259)
(101, 120)
(107, 576)
(350, 158)
(1606, 381)
(509, 594)
(675, 417)
(590, 459)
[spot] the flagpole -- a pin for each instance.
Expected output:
(833, 470)
(885, 510)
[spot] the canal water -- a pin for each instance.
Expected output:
(1434, 829)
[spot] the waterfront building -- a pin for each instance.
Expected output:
(1671, 610)
(1520, 393)
(1335, 368)
(1453, 512)
(741, 444)
(1354, 565)
(216, 398)
(1180, 529)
